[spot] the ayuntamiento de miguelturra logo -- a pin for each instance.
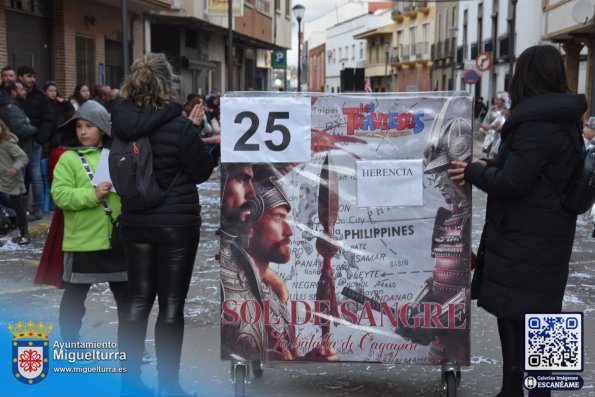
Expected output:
(30, 351)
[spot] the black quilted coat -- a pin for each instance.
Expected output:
(528, 235)
(176, 146)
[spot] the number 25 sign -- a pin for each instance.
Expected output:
(265, 129)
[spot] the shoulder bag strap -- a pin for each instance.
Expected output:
(106, 208)
(173, 182)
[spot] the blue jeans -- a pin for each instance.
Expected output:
(4, 199)
(36, 180)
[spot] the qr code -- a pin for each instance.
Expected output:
(553, 342)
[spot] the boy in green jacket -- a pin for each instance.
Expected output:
(88, 213)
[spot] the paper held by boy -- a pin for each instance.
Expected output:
(102, 171)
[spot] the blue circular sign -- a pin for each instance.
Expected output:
(471, 77)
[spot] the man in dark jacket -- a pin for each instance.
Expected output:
(37, 107)
(7, 76)
(104, 97)
(14, 116)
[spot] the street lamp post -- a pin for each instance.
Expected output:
(454, 31)
(386, 48)
(230, 45)
(511, 41)
(298, 12)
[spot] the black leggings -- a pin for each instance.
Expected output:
(16, 203)
(512, 339)
(160, 263)
(72, 307)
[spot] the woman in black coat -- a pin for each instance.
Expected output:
(160, 242)
(528, 236)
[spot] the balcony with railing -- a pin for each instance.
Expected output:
(440, 49)
(422, 52)
(423, 7)
(395, 56)
(397, 15)
(377, 65)
(412, 13)
(405, 52)
(410, 54)
(447, 47)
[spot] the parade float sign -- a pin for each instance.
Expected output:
(360, 250)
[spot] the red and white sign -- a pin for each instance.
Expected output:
(483, 61)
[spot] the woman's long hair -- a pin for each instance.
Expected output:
(151, 82)
(77, 94)
(539, 70)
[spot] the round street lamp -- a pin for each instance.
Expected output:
(298, 12)
(277, 83)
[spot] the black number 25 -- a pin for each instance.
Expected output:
(242, 144)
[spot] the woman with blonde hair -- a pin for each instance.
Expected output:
(161, 242)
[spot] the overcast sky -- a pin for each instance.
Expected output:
(314, 9)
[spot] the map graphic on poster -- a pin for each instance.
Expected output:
(361, 254)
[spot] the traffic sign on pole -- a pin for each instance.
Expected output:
(471, 77)
(469, 64)
(484, 61)
(279, 59)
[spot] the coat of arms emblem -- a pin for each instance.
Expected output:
(30, 351)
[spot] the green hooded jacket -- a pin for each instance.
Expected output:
(86, 226)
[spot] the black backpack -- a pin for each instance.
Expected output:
(579, 196)
(132, 174)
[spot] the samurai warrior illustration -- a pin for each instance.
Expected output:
(450, 248)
